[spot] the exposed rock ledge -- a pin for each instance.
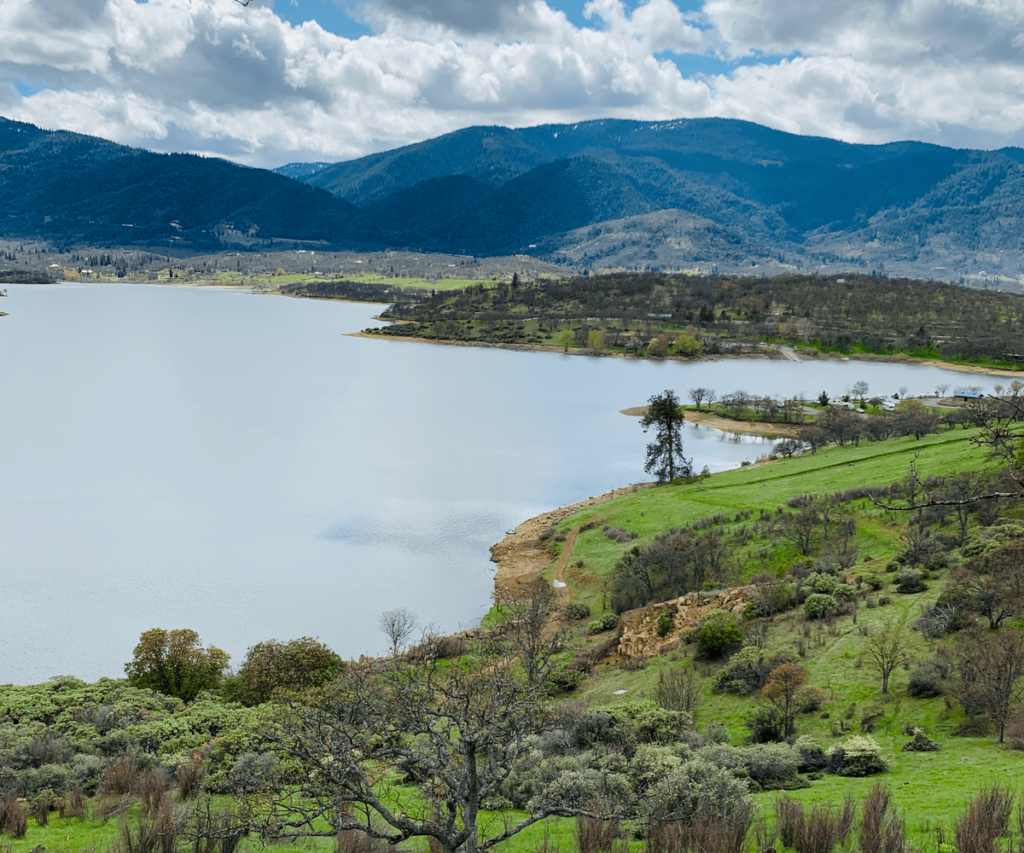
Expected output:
(639, 630)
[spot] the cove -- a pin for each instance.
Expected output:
(238, 464)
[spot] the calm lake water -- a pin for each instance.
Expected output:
(237, 464)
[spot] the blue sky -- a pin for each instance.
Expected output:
(285, 80)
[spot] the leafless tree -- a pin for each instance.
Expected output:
(990, 666)
(398, 750)
(993, 587)
(525, 621)
(398, 625)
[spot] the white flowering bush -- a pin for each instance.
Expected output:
(859, 755)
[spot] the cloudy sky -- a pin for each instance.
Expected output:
(285, 80)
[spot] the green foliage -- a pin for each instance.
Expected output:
(175, 663)
(665, 454)
(577, 610)
(773, 766)
(696, 790)
(563, 679)
(820, 606)
(859, 755)
(648, 722)
(604, 622)
(909, 580)
(666, 622)
(747, 671)
(273, 666)
(718, 635)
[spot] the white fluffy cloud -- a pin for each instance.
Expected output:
(217, 77)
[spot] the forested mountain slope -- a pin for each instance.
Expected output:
(785, 201)
(76, 189)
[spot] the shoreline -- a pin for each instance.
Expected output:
(521, 556)
(723, 424)
(974, 369)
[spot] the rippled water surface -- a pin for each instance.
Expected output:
(237, 464)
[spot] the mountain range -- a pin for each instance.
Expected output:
(603, 194)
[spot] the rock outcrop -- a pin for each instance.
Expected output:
(639, 630)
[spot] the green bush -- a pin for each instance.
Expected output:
(562, 680)
(925, 682)
(666, 622)
(821, 583)
(874, 581)
(577, 610)
(859, 755)
(747, 671)
(697, 790)
(605, 622)
(909, 580)
(773, 766)
(718, 635)
(766, 724)
(649, 722)
(818, 606)
(921, 743)
(812, 756)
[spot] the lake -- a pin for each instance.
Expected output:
(238, 464)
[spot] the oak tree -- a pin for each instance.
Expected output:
(175, 663)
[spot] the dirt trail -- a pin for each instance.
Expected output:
(564, 593)
(521, 556)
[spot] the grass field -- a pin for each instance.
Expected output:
(653, 510)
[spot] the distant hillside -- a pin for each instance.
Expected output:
(298, 171)
(779, 200)
(76, 189)
(701, 195)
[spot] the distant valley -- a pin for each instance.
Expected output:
(695, 195)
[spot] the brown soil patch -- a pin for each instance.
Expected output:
(727, 424)
(521, 556)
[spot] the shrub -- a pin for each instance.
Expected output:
(819, 606)
(859, 755)
(925, 682)
(986, 820)
(605, 622)
(620, 534)
(817, 832)
(812, 756)
(666, 622)
(577, 610)
(844, 592)
(766, 724)
(718, 635)
(773, 766)
(921, 743)
(747, 671)
(809, 699)
(679, 690)
(822, 583)
(697, 790)
(648, 722)
(909, 581)
(13, 816)
(876, 582)
(562, 679)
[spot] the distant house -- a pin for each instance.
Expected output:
(964, 395)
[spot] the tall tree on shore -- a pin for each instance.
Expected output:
(665, 454)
